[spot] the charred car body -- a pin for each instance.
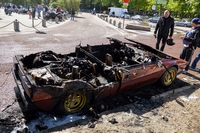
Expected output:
(69, 82)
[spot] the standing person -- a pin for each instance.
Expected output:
(72, 14)
(58, 10)
(38, 9)
(163, 26)
(33, 11)
(113, 14)
(194, 63)
(45, 11)
(29, 11)
(192, 42)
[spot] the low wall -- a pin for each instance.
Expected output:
(138, 27)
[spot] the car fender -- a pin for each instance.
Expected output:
(48, 97)
(75, 85)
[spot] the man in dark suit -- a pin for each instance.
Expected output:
(164, 26)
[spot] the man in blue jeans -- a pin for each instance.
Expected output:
(72, 14)
(194, 63)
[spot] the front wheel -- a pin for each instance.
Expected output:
(168, 77)
(72, 102)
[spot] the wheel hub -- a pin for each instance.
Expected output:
(75, 102)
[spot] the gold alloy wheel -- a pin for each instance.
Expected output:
(169, 78)
(74, 102)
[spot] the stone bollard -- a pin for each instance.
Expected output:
(119, 25)
(65, 17)
(16, 25)
(44, 22)
(114, 22)
(33, 22)
(56, 20)
(110, 21)
(106, 19)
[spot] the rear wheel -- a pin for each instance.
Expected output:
(72, 102)
(168, 77)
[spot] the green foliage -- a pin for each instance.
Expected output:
(69, 4)
(136, 5)
(45, 2)
(54, 4)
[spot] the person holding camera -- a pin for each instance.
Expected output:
(190, 41)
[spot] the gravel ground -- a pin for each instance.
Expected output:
(175, 113)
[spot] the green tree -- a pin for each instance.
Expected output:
(194, 8)
(179, 8)
(136, 5)
(69, 4)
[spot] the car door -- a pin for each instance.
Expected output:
(131, 77)
(140, 75)
(152, 73)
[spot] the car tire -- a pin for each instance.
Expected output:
(165, 79)
(72, 102)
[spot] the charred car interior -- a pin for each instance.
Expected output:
(85, 64)
(69, 82)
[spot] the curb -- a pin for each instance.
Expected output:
(132, 26)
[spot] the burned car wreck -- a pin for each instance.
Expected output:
(70, 82)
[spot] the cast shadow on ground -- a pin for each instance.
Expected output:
(39, 32)
(79, 17)
(193, 75)
(138, 101)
